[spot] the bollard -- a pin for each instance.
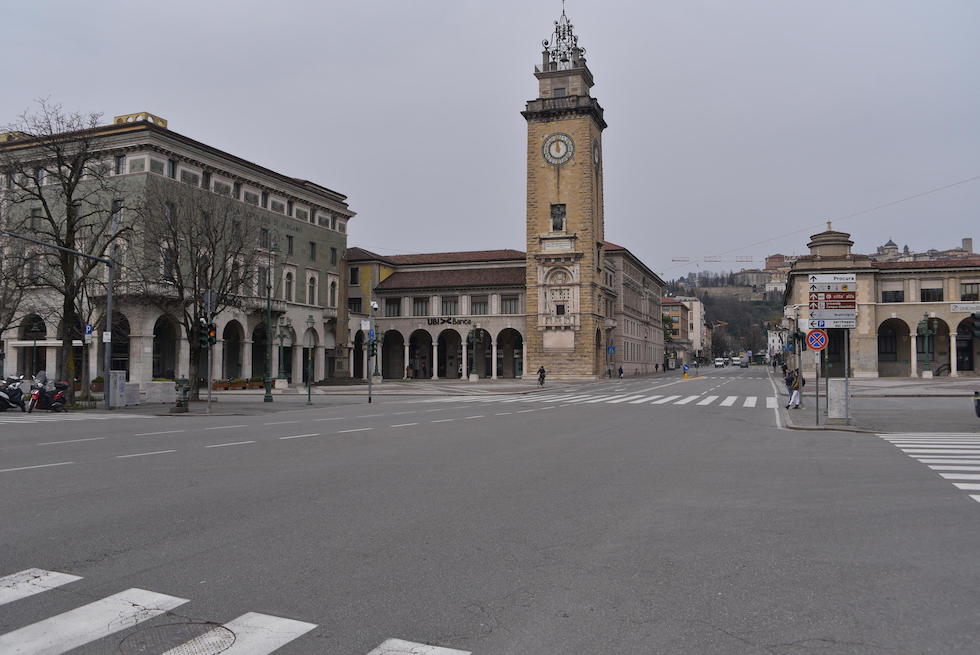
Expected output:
(976, 403)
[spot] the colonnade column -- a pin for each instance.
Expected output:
(405, 361)
(913, 357)
(493, 359)
(297, 364)
(466, 364)
(435, 359)
(350, 363)
(246, 359)
(217, 361)
(952, 355)
(524, 370)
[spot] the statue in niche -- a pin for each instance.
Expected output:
(558, 218)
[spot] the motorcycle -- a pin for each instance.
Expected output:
(45, 397)
(11, 394)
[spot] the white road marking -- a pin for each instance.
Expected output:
(332, 418)
(230, 443)
(707, 400)
(280, 422)
(54, 443)
(31, 581)
(771, 402)
(38, 466)
(402, 425)
(729, 401)
(646, 399)
(961, 476)
(749, 401)
(150, 434)
(443, 420)
(300, 436)
(369, 415)
(226, 427)
(624, 399)
(935, 451)
(477, 416)
(155, 452)
(684, 401)
(503, 413)
(354, 430)
(525, 411)
(967, 486)
(88, 623)
(951, 460)
(955, 468)
(400, 647)
(254, 634)
(665, 400)
(602, 399)
(975, 497)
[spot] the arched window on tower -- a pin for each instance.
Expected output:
(311, 292)
(288, 287)
(333, 294)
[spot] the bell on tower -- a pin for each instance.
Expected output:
(563, 71)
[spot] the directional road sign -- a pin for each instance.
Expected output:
(822, 287)
(825, 314)
(816, 340)
(829, 323)
(832, 278)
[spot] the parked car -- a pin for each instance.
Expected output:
(719, 362)
(744, 363)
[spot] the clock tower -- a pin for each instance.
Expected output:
(565, 302)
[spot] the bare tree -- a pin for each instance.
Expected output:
(13, 266)
(195, 241)
(60, 189)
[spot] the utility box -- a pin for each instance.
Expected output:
(117, 388)
(837, 402)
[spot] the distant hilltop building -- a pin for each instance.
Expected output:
(889, 252)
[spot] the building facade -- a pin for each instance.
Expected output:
(301, 242)
(634, 327)
(914, 319)
(679, 349)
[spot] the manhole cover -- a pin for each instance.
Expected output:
(180, 639)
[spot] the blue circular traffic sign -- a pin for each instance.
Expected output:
(816, 339)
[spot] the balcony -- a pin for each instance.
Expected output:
(566, 321)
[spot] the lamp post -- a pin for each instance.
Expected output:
(474, 338)
(281, 334)
(925, 330)
(310, 322)
(268, 320)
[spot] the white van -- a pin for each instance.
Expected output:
(719, 362)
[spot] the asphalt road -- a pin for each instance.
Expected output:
(615, 517)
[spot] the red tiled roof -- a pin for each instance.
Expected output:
(361, 255)
(510, 276)
(458, 257)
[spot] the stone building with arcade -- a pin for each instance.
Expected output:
(299, 253)
(914, 318)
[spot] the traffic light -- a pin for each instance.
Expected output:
(212, 334)
(976, 325)
(372, 348)
(202, 334)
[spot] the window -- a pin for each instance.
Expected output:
(558, 91)
(479, 305)
(264, 201)
(420, 306)
(341, 226)
(311, 298)
(289, 244)
(558, 218)
(117, 209)
(156, 166)
(355, 276)
(278, 207)
(251, 198)
(264, 237)
(333, 294)
(354, 305)
(931, 295)
(120, 164)
(970, 291)
(450, 305)
(333, 256)
(301, 214)
(675, 332)
(892, 296)
(206, 180)
(172, 169)
(189, 177)
(289, 208)
(312, 251)
(137, 165)
(222, 188)
(509, 304)
(236, 191)
(393, 307)
(560, 309)
(287, 286)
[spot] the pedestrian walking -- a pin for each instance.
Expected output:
(788, 380)
(620, 372)
(541, 374)
(796, 386)
(656, 368)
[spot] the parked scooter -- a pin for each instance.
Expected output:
(45, 395)
(11, 394)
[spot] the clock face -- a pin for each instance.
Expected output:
(558, 149)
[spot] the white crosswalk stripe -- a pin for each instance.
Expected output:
(29, 582)
(665, 400)
(645, 399)
(771, 402)
(623, 399)
(24, 419)
(684, 401)
(88, 623)
(729, 401)
(749, 401)
(707, 400)
(249, 634)
(566, 399)
(954, 453)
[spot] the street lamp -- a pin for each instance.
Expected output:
(273, 249)
(925, 330)
(282, 333)
(474, 337)
(310, 322)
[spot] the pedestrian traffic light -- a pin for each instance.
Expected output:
(202, 334)
(976, 325)
(212, 334)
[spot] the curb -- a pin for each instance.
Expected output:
(790, 425)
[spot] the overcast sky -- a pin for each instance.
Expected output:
(730, 122)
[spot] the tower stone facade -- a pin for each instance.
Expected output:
(566, 288)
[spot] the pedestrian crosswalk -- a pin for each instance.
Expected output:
(91, 623)
(954, 456)
(622, 400)
(20, 418)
